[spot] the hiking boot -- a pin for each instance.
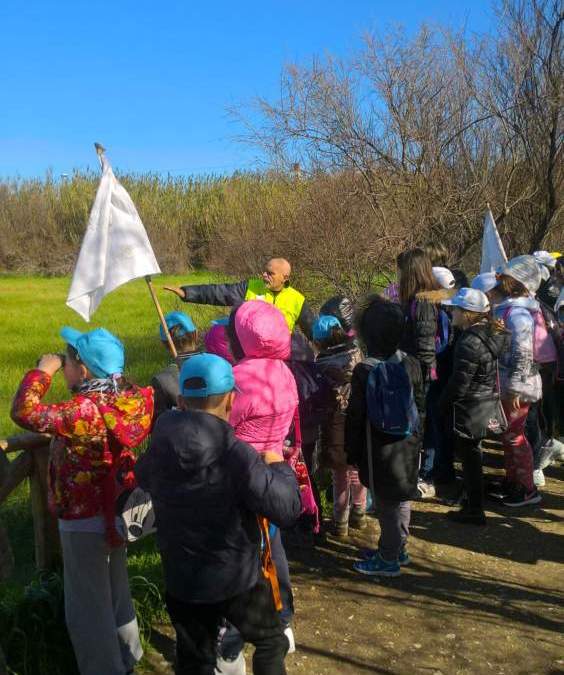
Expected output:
(340, 529)
(377, 566)
(369, 553)
(468, 516)
(538, 478)
(357, 519)
(236, 666)
(521, 497)
(425, 490)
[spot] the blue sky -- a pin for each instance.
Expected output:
(153, 80)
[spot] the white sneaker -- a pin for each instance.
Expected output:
(551, 450)
(231, 667)
(538, 478)
(425, 490)
(289, 633)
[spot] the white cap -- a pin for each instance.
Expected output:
(470, 299)
(524, 268)
(444, 277)
(484, 282)
(544, 258)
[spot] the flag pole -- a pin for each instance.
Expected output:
(161, 316)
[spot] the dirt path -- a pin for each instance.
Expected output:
(474, 600)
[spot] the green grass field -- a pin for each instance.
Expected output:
(33, 312)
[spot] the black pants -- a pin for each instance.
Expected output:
(470, 454)
(254, 615)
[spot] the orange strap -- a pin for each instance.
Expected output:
(267, 564)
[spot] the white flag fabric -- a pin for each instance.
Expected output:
(115, 248)
(493, 253)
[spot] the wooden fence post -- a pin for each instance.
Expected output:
(45, 531)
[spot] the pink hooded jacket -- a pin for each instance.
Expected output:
(268, 397)
(217, 342)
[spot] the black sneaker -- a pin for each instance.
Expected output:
(499, 490)
(521, 497)
(467, 516)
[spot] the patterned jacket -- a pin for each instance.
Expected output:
(91, 458)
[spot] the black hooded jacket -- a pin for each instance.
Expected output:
(207, 488)
(474, 375)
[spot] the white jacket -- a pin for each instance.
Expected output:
(519, 375)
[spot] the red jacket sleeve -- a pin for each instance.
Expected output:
(28, 412)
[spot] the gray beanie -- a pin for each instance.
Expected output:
(524, 268)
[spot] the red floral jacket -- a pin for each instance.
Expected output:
(90, 459)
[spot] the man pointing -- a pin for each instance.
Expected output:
(273, 287)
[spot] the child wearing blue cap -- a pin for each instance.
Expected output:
(90, 465)
(336, 360)
(208, 489)
(184, 335)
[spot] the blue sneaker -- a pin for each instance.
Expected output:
(377, 566)
(369, 553)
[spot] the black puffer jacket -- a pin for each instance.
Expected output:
(474, 371)
(421, 317)
(395, 462)
(207, 487)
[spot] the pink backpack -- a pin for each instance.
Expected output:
(544, 349)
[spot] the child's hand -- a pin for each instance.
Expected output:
(271, 457)
(177, 290)
(50, 363)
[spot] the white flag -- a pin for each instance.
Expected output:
(115, 248)
(493, 253)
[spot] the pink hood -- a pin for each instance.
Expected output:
(217, 342)
(262, 331)
(267, 400)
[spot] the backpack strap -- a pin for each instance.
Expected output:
(267, 563)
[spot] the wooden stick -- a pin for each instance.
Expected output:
(20, 469)
(45, 531)
(26, 441)
(161, 316)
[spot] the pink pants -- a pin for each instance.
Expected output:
(517, 452)
(346, 488)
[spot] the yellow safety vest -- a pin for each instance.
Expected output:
(288, 300)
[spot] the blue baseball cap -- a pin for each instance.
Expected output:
(206, 375)
(222, 321)
(100, 351)
(324, 325)
(174, 319)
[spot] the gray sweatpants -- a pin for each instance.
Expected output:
(98, 607)
(394, 520)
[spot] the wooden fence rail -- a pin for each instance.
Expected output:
(32, 464)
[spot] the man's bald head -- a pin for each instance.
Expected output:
(277, 273)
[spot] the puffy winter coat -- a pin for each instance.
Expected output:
(421, 317)
(207, 487)
(518, 372)
(337, 366)
(267, 399)
(475, 370)
(94, 433)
